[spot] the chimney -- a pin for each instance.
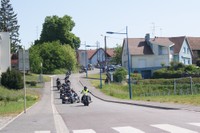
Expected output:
(147, 37)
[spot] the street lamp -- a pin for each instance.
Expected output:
(129, 81)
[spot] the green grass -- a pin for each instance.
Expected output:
(13, 107)
(12, 101)
(97, 76)
(120, 90)
(35, 78)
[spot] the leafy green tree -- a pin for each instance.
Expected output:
(56, 28)
(117, 59)
(35, 59)
(8, 23)
(53, 56)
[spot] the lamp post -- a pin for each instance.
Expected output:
(129, 81)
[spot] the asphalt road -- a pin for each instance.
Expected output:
(51, 116)
(106, 117)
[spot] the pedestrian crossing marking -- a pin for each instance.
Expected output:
(127, 129)
(84, 131)
(42, 132)
(173, 129)
(195, 124)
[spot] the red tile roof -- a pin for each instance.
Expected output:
(178, 41)
(110, 52)
(163, 41)
(90, 53)
(194, 42)
(138, 46)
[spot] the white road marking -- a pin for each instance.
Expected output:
(42, 132)
(195, 124)
(59, 122)
(84, 131)
(173, 129)
(127, 129)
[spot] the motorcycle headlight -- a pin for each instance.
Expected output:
(66, 97)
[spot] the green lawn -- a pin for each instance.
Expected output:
(12, 101)
(120, 90)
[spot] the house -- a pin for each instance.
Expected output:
(149, 54)
(110, 54)
(94, 56)
(195, 46)
(14, 61)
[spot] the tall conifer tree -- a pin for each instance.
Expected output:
(8, 23)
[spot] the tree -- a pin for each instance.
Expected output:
(56, 28)
(8, 23)
(117, 59)
(12, 79)
(53, 56)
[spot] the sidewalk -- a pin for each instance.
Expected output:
(29, 122)
(168, 106)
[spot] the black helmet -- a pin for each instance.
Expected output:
(85, 87)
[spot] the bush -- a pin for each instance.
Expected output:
(198, 62)
(136, 76)
(120, 74)
(12, 79)
(33, 83)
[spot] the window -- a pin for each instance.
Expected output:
(171, 50)
(188, 50)
(160, 50)
(188, 61)
(184, 50)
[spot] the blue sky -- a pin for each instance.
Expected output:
(94, 18)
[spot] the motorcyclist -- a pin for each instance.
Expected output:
(85, 91)
(58, 83)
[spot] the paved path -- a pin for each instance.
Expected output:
(39, 118)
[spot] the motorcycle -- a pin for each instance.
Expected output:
(67, 98)
(76, 97)
(70, 96)
(86, 99)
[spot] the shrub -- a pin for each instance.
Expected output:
(136, 76)
(198, 62)
(190, 68)
(33, 83)
(120, 74)
(12, 79)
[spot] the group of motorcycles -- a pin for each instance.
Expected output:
(67, 94)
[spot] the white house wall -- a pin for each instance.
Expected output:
(145, 61)
(185, 56)
(5, 58)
